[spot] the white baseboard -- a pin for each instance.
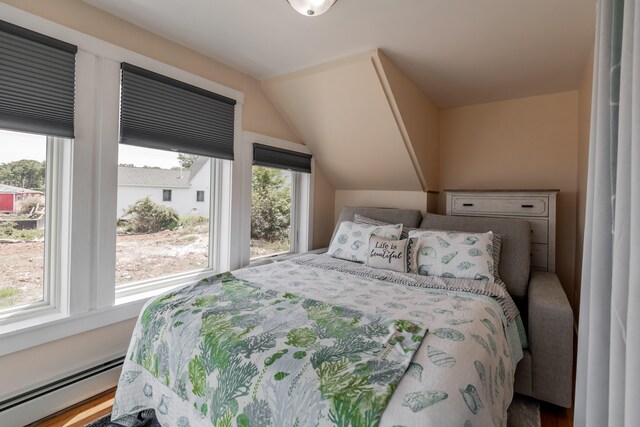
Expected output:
(49, 403)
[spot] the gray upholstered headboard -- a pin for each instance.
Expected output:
(408, 217)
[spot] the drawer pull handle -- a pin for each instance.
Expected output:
(467, 204)
(527, 206)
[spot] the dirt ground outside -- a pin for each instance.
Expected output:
(22, 271)
(138, 257)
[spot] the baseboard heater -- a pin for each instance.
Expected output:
(36, 395)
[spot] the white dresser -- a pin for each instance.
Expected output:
(536, 206)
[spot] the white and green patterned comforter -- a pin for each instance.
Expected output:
(290, 344)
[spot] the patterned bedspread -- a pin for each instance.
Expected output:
(290, 344)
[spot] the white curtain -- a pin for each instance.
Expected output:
(608, 371)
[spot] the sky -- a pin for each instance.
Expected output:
(18, 146)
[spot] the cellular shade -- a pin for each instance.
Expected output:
(264, 155)
(167, 114)
(37, 82)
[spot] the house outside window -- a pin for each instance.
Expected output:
(156, 191)
(199, 196)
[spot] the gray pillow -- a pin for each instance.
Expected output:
(361, 219)
(407, 217)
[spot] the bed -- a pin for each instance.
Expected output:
(316, 340)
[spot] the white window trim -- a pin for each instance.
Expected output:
(89, 301)
(302, 199)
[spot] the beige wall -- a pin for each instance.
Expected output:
(323, 206)
(584, 131)
(342, 112)
(419, 117)
(29, 368)
(522, 143)
(377, 145)
(259, 115)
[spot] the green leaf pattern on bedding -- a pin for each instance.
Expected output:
(461, 373)
(244, 357)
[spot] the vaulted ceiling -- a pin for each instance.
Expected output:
(459, 52)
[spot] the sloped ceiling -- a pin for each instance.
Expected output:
(346, 112)
(460, 52)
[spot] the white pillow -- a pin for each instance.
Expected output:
(454, 254)
(352, 240)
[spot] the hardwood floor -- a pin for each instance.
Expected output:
(82, 413)
(97, 406)
(555, 416)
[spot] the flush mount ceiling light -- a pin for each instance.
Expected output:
(311, 7)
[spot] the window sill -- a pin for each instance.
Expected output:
(268, 259)
(21, 335)
(149, 288)
(53, 325)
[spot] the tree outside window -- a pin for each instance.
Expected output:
(271, 211)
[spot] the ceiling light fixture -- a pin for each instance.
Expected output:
(311, 7)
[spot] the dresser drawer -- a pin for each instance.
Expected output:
(497, 205)
(539, 255)
(539, 231)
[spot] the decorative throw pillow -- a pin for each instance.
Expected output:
(388, 254)
(352, 240)
(361, 219)
(454, 254)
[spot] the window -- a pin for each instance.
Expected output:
(23, 161)
(162, 148)
(37, 83)
(72, 266)
(279, 178)
(156, 238)
(199, 196)
(31, 197)
(271, 191)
